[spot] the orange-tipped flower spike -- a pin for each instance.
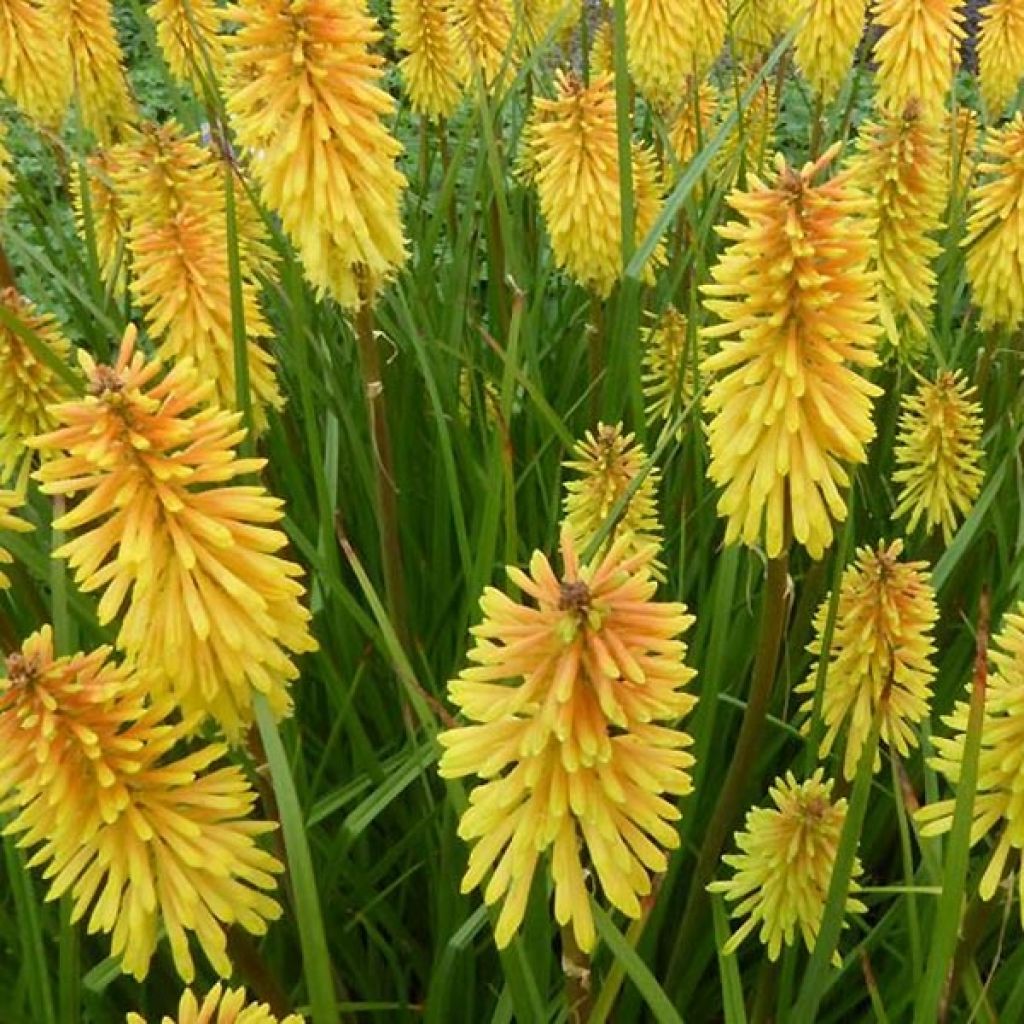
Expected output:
(798, 320)
(573, 694)
(434, 69)
(134, 832)
(29, 385)
(10, 501)
(900, 165)
(306, 102)
(939, 454)
(35, 68)
(826, 42)
(996, 810)
(188, 33)
(1000, 54)
(782, 872)
(186, 561)
(98, 76)
(881, 654)
(995, 229)
(918, 53)
(221, 1006)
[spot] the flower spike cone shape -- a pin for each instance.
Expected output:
(798, 318)
(901, 165)
(132, 832)
(29, 387)
(939, 454)
(995, 229)
(997, 804)
(433, 69)
(572, 151)
(570, 694)
(306, 102)
(35, 68)
(188, 33)
(918, 53)
(784, 867)
(171, 189)
(692, 125)
(670, 362)
(221, 1006)
(659, 41)
(98, 76)
(483, 29)
(1000, 54)
(186, 560)
(9, 523)
(708, 22)
(881, 653)
(826, 42)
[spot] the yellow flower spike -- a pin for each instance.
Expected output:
(693, 124)
(434, 70)
(918, 53)
(708, 21)
(900, 164)
(881, 652)
(35, 68)
(752, 142)
(784, 867)
(997, 806)
(659, 47)
(189, 568)
(189, 34)
(107, 209)
(670, 361)
(484, 32)
(539, 17)
(98, 75)
(826, 42)
(135, 833)
(28, 386)
(1000, 54)
(756, 24)
(607, 462)
(221, 1006)
(572, 695)
(172, 192)
(960, 149)
(939, 454)
(995, 229)
(602, 51)
(9, 523)
(306, 101)
(6, 175)
(573, 151)
(797, 309)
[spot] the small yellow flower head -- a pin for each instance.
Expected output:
(1000, 54)
(172, 192)
(570, 694)
(670, 360)
(900, 165)
(960, 148)
(185, 560)
(995, 229)
(918, 53)
(756, 24)
(100, 85)
(306, 101)
(939, 454)
(434, 70)
(693, 124)
(221, 1006)
(35, 68)
(751, 143)
(484, 32)
(28, 385)
(659, 47)
(134, 832)
(784, 866)
(607, 463)
(9, 523)
(539, 17)
(997, 806)
(6, 176)
(797, 309)
(188, 33)
(881, 653)
(602, 51)
(826, 42)
(107, 208)
(708, 21)
(573, 149)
